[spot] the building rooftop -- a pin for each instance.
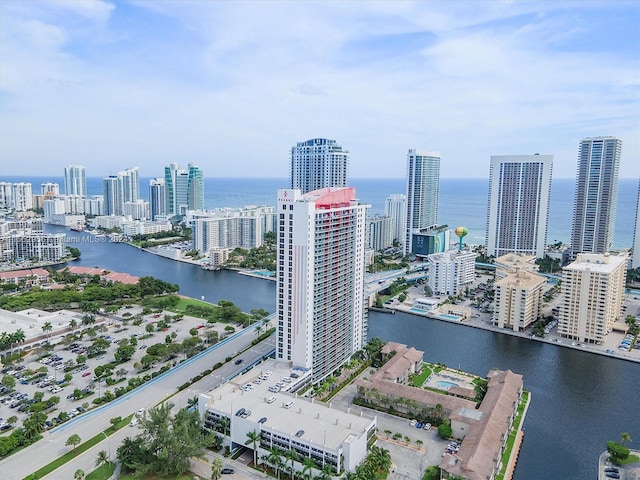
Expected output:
(596, 262)
(322, 424)
(481, 448)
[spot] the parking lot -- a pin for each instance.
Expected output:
(68, 371)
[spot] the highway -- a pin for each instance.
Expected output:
(52, 446)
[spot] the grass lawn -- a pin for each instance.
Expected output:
(70, 455)
(419, 380)
(103, 472)
(506, 454)
(630, 459)
(181, 307)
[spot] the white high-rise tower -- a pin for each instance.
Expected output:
(318, 163)
(395, 206)
(320, 308)
(75, 180)
(596, 195)
(518, 212)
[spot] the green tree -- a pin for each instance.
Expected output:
(46, 328)
(625, 438)
(101, 459)
(8, 381)
(114, 422)
(618, 452)
(74, 440)
(216, 469)
(167, 443)
(253, 439)
(292, 456)
(275, 460)
(444, 430)
(78, 475)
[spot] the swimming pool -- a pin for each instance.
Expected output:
(443, 385)
(449, 317)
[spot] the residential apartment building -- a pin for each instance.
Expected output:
(395, 206)
(423, 191)
(157, 197)
(451, 271)
(636, 235)
(596, 195)
(510, 263)
(379, 232)
(318, 163)
(18, 245)
(184, 189)
(49, 189)
(321, 317)
(518, 299)
(75, 180)
(592, 291)
(138, 210)
(16, 196)
(230, 227)
(518, 207)
(112, 194)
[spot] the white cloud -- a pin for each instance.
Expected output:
(232, 85)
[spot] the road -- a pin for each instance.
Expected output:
(52, 446)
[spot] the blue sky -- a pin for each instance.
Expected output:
(231, 86)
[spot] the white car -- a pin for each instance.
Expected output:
(271, 399)
(413, 423)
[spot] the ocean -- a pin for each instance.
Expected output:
(463, 202)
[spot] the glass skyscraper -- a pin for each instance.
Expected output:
(596, 195)
(423, 190)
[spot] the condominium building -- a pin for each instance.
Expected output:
(510, 263)
(111, 189)
(320, 278)
(157, 197)
(75, 180)
(318, 163)
(379, 232)
(184, 189)
(16, 196)
(129, 184)
(395, 206)
(636, 235)
(49, 189)
(451, 271)
(423, 190)
(518, 207)
(518, 299)
(6, 195)
(18, 245)
(592, 290)
(138, 210)
(596, 195)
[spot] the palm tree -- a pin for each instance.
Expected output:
(625, 438)
(73, 324)
(293, 456)
(17, 337)
(46, 328)
(275, 459)
(326, 473)
(78, 475)
(101, 458)
(253, 438)
(380, 458)
(224, 424)
(308, 466)
(216, 469)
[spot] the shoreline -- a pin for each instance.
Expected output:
(587, 348)
(483, 326)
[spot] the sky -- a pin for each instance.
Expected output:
(232, 86)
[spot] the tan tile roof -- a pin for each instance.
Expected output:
(481, 447)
